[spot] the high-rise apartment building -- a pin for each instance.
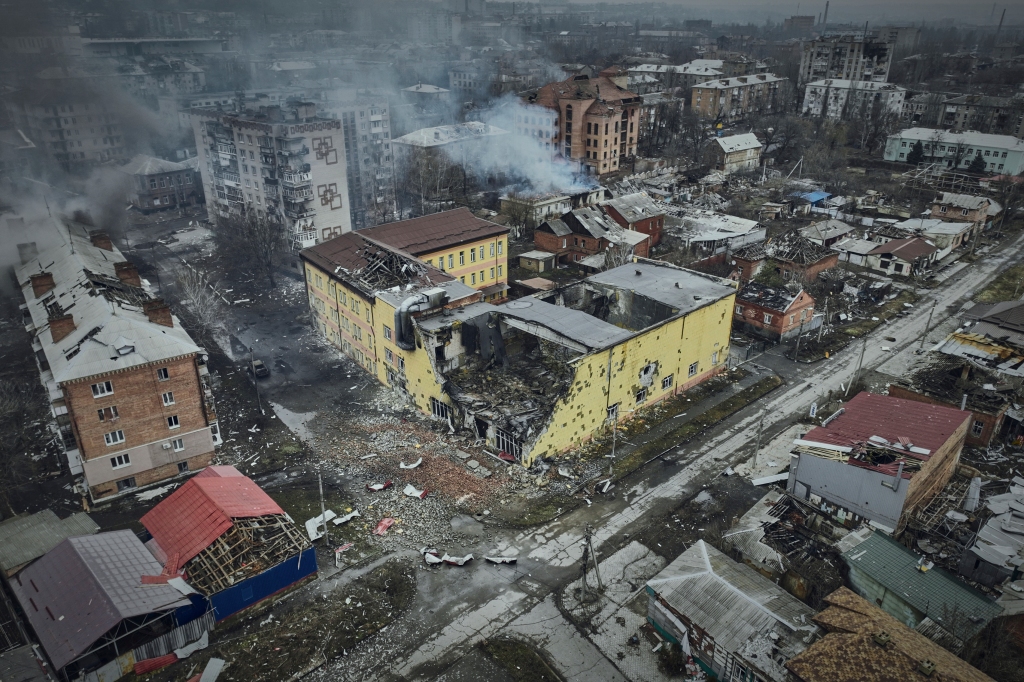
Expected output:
(847, 57)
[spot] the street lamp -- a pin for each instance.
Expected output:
(255, 382)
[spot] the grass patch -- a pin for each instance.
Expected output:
(522, 662)
(303, 631)
(695, 427)
(539, 511)
(1005, 287)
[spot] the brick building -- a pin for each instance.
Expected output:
(773, 312)
(736, 153)
(964, 208)
(584, 233)
(597, 121)
(154, 184)
(792, 256)
(129, 389)
(638, 213)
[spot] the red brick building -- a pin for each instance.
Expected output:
(773, 312)
(637, 212)
(129, 388)
(586, 232)
(792, 256)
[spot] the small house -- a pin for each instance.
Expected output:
(637, 212)
(537, 261)
(826, 232)
(904, 257)
(153, 184)
(736, 153)
(775, 313)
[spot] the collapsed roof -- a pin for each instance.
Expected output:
(790, 247)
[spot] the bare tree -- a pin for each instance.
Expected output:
(694, 133)
(431, 178)
(518, 208)
(197, 296)
(257, 237)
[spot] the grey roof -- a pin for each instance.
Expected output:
(968, 201)
(89, 584)
(748, 533)
(635, 207)
(934, 593)
(557, 227)
(142, 164)
(826, 229)
(736, 143)
(731, 601)
(459, 314)
(683, 290)
(854, 245)
(575, 325)
(112, 332)
(536, 255)
(24, 538)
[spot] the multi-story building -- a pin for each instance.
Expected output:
(984, 114)
(799, 23)
(843, 100)
(71, 125)
(154, 184)
(596, 122)
(900, 37)
(735, 153)
(128, 387)
(369, 160)
(1003, 154)
(846, 57)
(477, 366)
(731, 99)
(471, 249)
(287, 161)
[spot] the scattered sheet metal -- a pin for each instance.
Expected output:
(506, 456)
(189, 649)
(180, 585)
(212, 670)
(377, 487)
(605, 485)
(369, 456)
(564, 473)
(344, 548)
(383, 526)
(314, 526)
(411, 491)
(502, 559)
(346, 518)
(149, 665)
(430, 556)
(457, 561)
(403, 465)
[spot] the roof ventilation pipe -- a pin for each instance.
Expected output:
(403, 325)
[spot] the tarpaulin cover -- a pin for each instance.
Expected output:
(199, 512)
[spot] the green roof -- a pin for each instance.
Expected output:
(935, 592)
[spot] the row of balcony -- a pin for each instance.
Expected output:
(297, 193)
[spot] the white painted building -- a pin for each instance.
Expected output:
(1003, 154)
(843, 100)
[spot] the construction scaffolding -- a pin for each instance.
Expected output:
(250, 546)
(932, 177)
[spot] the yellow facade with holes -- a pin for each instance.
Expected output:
(684, 351)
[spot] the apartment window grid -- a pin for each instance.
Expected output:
(101, 389)
(120, 461)
(114, 437)
(162, 374)
(172, 422)
(168, 398)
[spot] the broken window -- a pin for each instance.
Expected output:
(102, 388)
(647, 373)
(767, 318)
(613, 412)
(505, 442)
(692, 370)
(108, 413)
(172, 422)
(125, 484)
(168, 398)
(641, 396)
(714, 358)
(667, 382)
(977, 428)
(161, 374)
(387, 332)
(462, 257)
(440, 410)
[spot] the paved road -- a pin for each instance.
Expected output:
(425, 645)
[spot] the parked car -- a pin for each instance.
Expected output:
(260, 369)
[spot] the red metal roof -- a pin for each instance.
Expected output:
(200, 511)
(925, 426)
(222, 471)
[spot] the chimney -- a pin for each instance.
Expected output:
(61, 326)
(42, 283)
(101, 240)
(128, 274)
(158, 312)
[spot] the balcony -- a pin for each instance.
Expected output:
(297, 212)
(228, 178)
(294, 179)
(297, 194)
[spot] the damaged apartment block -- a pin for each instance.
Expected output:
(532, 377)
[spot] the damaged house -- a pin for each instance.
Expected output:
(879, 458)
(774, 312)
(532, 377)
(736, 623)
(235, 545)
(791, 255)
(589, 238)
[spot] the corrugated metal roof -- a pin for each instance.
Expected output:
(731, 601)
(575, 325)
(25, 538)
(434, 232)
(197, 513)
(935, 593)
(85, 586)
(927, 426)
(683, 290)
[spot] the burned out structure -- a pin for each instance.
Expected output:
(879, 459)
(532, 377)
(791, 255)
(774, 312)
(235, 544)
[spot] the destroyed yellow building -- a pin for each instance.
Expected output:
(532, 377)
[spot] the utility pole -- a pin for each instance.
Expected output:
(823, 321)
(856, 375)
(255, 380)
(323, 513)
(760, 429)
(796, 352)
(926, 326)
(589, 534)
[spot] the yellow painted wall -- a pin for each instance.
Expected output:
(675, 346)
(475, 273)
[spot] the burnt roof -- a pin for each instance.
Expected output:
(790, 247)
(434, 232)
(772, 298)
